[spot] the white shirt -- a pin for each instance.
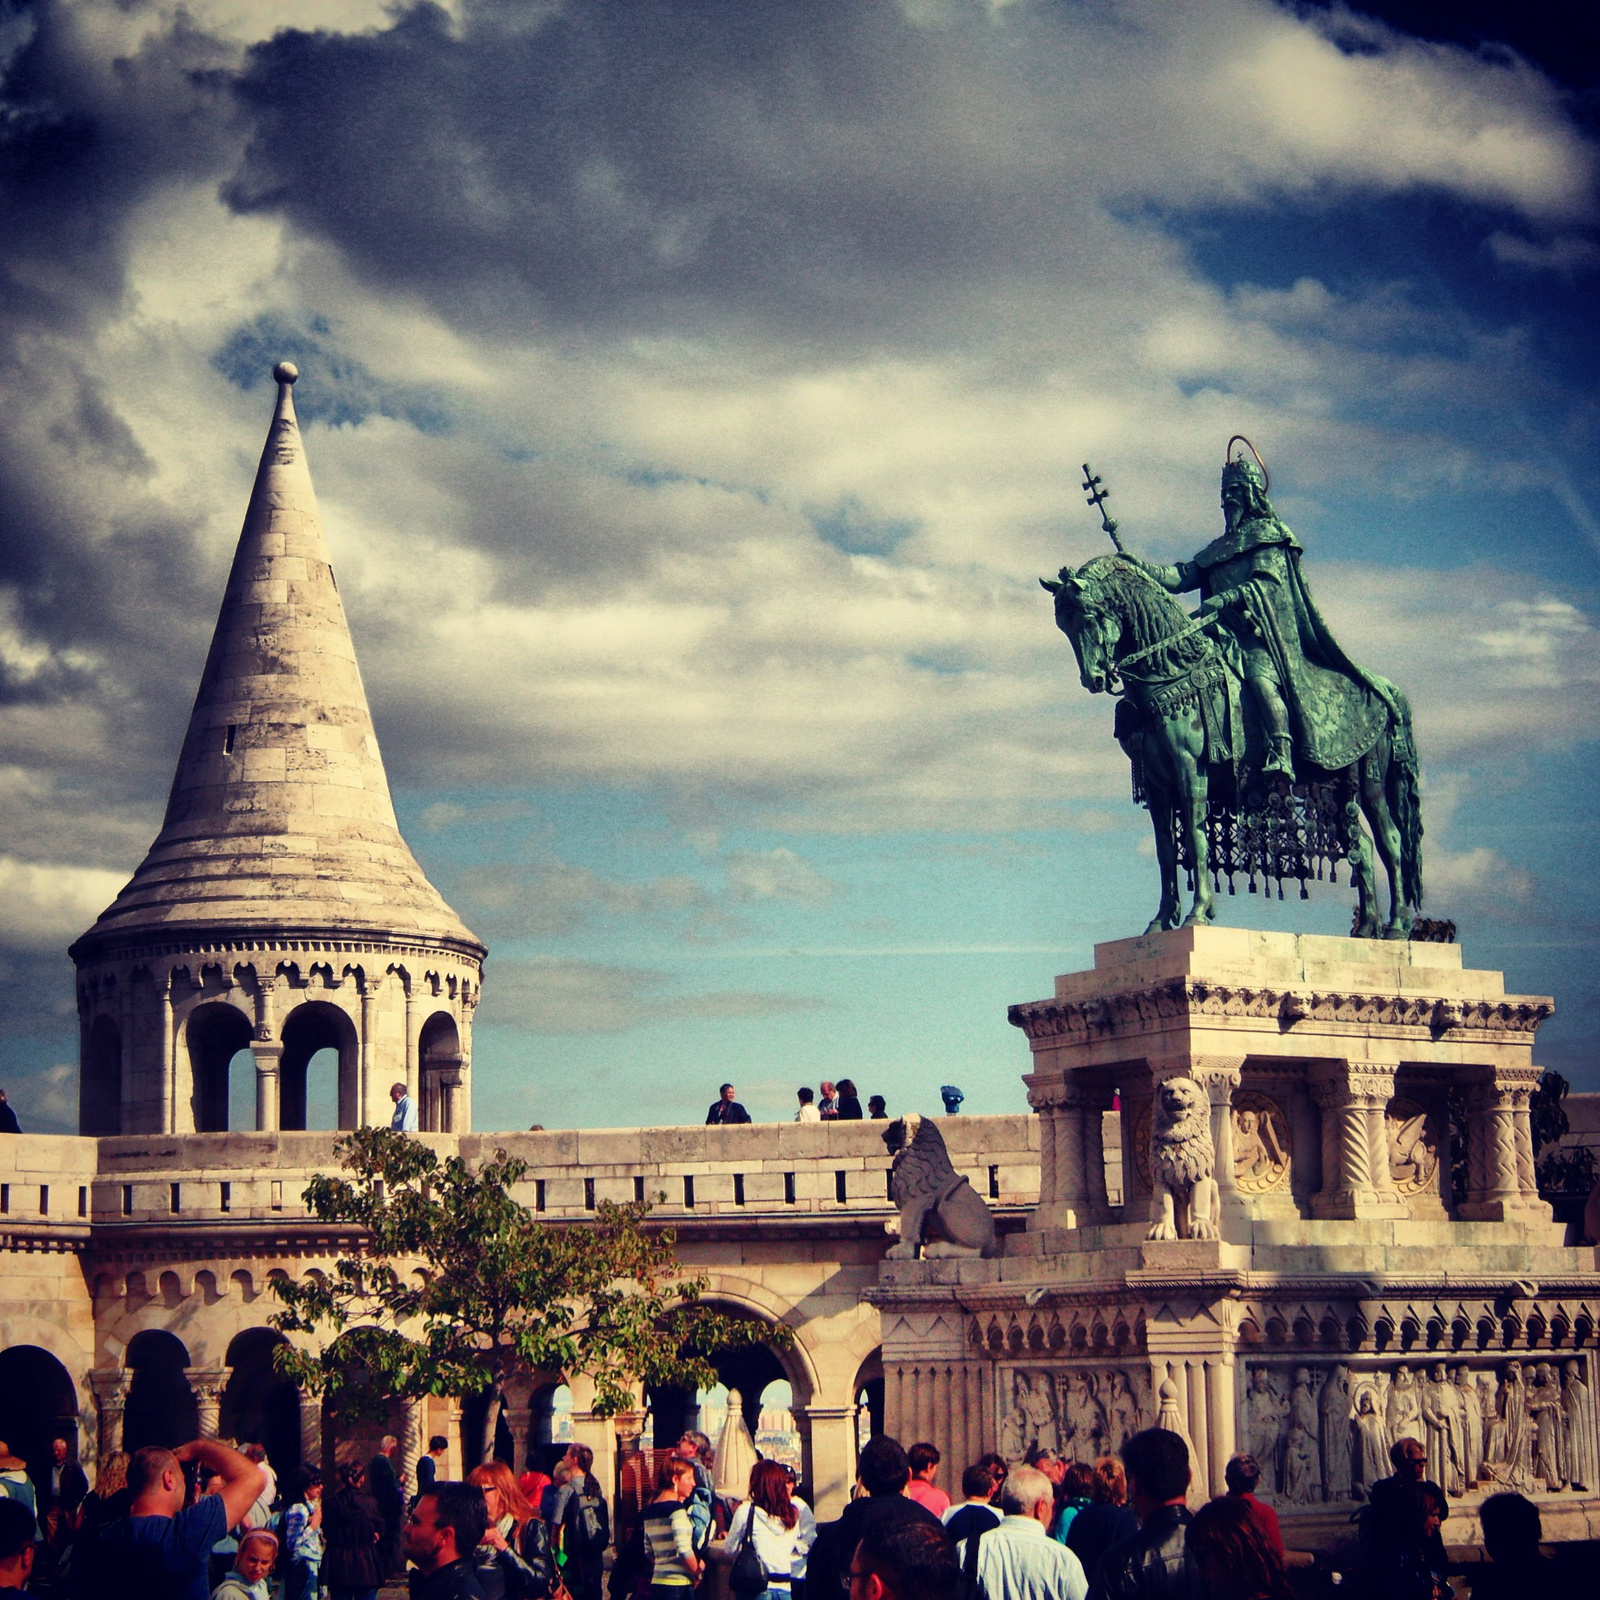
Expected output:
(404, 1119)
(780, 1549)
(1020, 1561)
(808, 1113)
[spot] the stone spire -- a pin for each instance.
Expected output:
(280, 821)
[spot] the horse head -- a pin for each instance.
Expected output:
(1093, 626)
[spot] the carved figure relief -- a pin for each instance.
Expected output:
(1413, 1147)
(1080, 1412)
(1324, 1433)
(1261, 1143)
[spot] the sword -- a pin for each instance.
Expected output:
(1097, 497)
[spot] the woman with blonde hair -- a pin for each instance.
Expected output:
(780, 1530)
(513, 1561)
(1106, 1520)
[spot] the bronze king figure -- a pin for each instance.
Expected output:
(1257, 743)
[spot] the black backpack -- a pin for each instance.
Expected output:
(587, 1524)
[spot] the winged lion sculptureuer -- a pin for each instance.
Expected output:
(1256, 743)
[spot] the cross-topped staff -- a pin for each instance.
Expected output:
(1097, 499)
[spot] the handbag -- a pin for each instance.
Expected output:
(748, 1574)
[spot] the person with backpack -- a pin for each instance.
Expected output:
(582, 1528)
(776, 1531)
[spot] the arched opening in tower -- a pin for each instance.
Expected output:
(319, 1072)
(222, 1067)
(161, 1406)
(258, 1403)
(439, 1051)
(37, 1402)
(868, 1392)
(100, 1089)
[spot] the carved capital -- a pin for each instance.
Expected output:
(111, 1385)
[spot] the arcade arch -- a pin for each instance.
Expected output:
(217, 1034)
(37, 1401)
(312, 1027)
(258, 1402)
(161, 1407)
(439, 1056)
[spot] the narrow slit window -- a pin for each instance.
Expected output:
(5, 1198)
(127, 1199)
(788, 1188)
(177, 1198)
(838, 1188)
(588, 1194)
(888, 1185)
(994, 1183)
(44, 1199)
(688, 1193)
(228, 738)
(227, 1196)
(638, 1191)
(738, 1188)
(538, 1194)
(83, 1200)
(277, 1194)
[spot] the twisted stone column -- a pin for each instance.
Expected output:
(1501, 1178)
(1353, 1097)
(1219, 1076)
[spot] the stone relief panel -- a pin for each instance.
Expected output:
(1413, 1147)
(1080, 1412)
(1262, 1143)
(1322, 1433)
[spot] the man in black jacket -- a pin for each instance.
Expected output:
(383, 1484)
(884, 1472)
(725, 1109)
(442, 1532)
(1154, 1564)
(60, 1480)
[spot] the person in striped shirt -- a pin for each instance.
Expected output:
(668, 1536)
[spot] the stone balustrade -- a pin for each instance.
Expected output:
(775, 1170)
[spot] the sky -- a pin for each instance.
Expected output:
(695, 394)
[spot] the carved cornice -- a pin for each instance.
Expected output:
(1138, 1011)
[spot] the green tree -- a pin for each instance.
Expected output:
(450, 1284)
(1560, 1171)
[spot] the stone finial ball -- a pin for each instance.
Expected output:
(286, 372)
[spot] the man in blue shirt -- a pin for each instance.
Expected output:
(404, 1119)
(160, 1551)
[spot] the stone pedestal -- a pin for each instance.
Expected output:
(1351, 1294)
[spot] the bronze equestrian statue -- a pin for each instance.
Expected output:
(1256, 742)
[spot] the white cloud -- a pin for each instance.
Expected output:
(42, 906)
(778, 874)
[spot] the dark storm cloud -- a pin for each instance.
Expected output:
(814, 164)
(98, 575)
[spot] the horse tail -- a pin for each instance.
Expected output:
(1405, 800)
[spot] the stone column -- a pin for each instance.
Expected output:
(516, 1406)
(311, 1429)
(413, 1066)
(832, 1468)
(1219, 1076)
(364, 1072)
(169, 1059)
(1356, 1183)
(449, 1081)
(1220, 1403)
(110, 1385)
(1501, 1179)
(412, 1442)
(452, 1432)
(1045, 1096)
(207, 1383)
(268, 1051)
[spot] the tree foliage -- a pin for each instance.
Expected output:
(451, 1284)
(1569, 1171)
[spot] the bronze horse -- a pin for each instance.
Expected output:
(1196, 749)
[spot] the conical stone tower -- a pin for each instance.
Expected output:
(279, 910)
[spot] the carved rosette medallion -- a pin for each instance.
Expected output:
(1142, 1118)
(1413, 1146)
(1262, 1145)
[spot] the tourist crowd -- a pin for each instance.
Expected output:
(210, 1522)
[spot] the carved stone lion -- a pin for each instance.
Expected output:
(941, 1214)
(1184, 1203)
